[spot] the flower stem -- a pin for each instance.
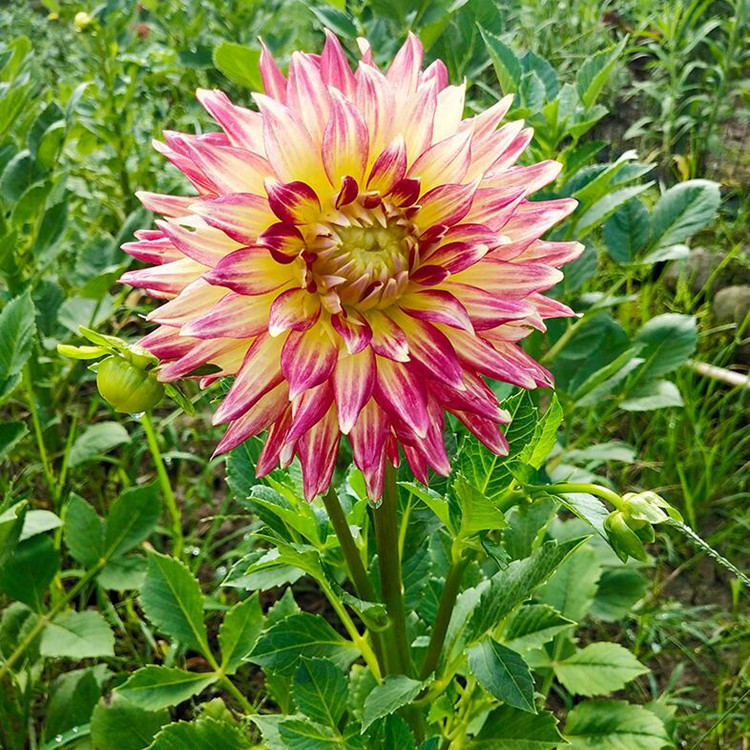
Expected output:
(386, 538)
(166, 487)
(445, 610)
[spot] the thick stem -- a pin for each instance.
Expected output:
(166, 487)
(445, 610)
(386, 538)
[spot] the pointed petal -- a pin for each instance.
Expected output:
(284, 241)
(510, 280)
(389, 168)
(449, 110)
(488, 432)
(293, 202)
(445, 162)
(437, 306)
(368, 439)
(270, 454)
(197, 298)
(167, 205)
(235, 316)
(387, 340)
(241, 216)
(274, 81)
(169, 278)
(318, 449)
(307, 95)
(294, 309)
(308, 409)
(458, 256)
(353, 384)
(250, 270)
(308, 358)
(334, 67)
(243, 127)
(445, 205)
(401, 393)
(232, 170)
(346, 141)
(353, 329)
(192, 237)
(403, 73)
(377, 104)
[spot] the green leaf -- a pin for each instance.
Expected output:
(121, 725)
(320, 691)
(83, 532)
(132, 518)
(545, 435)
(239, 633)
(433, 500)
(332, 18)
(172, 600)
(97, 440)
(73, 696)
(123, 573)
(507, 728)
(303, 734)
(503, 673)
(614, 725)
(626, 231)
(666, 341)
(29, 570)
(477, 512)
(534, 625)
(595, 72)
(78, 635)
(392, 733)
(598, 669)
(682, 211)
(10, 434)
(571, 590)
(618, 591)
(397, 690)
(240, 64)
(155, 687)
(204, 734)
(39, 521)
(281, 647)
(17, 326)
(654, 394)
(507, 66)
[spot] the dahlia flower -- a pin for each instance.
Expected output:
(359, 257)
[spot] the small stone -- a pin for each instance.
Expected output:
(697, 269)
(731, 304)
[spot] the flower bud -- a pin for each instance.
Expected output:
(128, 388)
(648, 507)
(623, 539)
(82, 21)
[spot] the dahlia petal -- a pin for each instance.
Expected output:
(417, 115)
(389, 168)
(306, 86)
(241, 216)
(201, 353)
(405, 192)
(169, 278)
(293, 202)
(318, 449)
(376, 102)
(354, 330)
(294, 309)
(308, 409)
(284, 241)
(232, 170)
(417, 463)
(195, 239)
(510, 280)
(334, 67)
(235, 315)
(308, 358)
(531, 178)
(486, 147)
(259, 373)
(353, 385)
(514, 150)
(444, 162)
(552, 253)
(270, 454)
(403, 72)
(243, 127)
(476, 397)
(436, 306)
(346, 141)
(485, 122)
(445, 205)
(250, 270)
(517, 358)
(401, 393)
(449, 110)
(493, 207)
(167, 205)
(387, 339)
(274, 82)
(196, 298)
(166, 343)
(430, 275)
(266, 411)
(185, 164)
(533, 218)
(348, 192)
(550, 308)
(368, 436)
(438, 72)
(487, 310)
(157, 251)
(458, 256)
(488, 432)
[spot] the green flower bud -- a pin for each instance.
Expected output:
(128, 388)
(648, 507)
(82, 21)
(624, 540)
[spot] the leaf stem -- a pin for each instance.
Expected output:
(46, 467)
(166, 487)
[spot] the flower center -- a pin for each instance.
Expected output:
(360, 261)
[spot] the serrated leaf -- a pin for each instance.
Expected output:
(503, 673)
(281, 647)
(683, 210)
(572, 588)
(536, 451)
(121, 725)
(507, 728)
(78, 635)
(534, 625)
(397, 690)
(29, 570)
(594, 73)
(83, 532)
(666, 342)
(155, 687)
(626, 231)
(303, 734)
(614, 725)
(239, 633)
(203, 734)
(507, 66)
(172, 600)
(96, 440)
(17, 326)
(239, 63)
(654, 394)
(131, 519)
(320, 691)
(598, 669)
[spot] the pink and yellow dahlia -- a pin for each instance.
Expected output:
(359, 257)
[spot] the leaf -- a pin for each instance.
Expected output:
(121, 725)
(17, 326)
(666, 341)
(606, 206)
(545, 435)
(397, 690)
(503, 673)
(27, 573)
(239, 632)
(131, 519)
(507, 728)
(155, 687)
(682, 211)
(240, 64)
(10, 434)
(39, 521)
(123, 573)
(626, 231)
(204, 734)
(172, 600)
(302, 734)
(595, 72)
(73, 696)
(507, 66)
(618, 591)
(614, 725)
(281, 647)
(96, 440)
(78, 635)
(392, 733)
(598, 669)
(571, 590)
(477, 512)
(654, 394)
(534, 625)
(83, 532)
(320, 691)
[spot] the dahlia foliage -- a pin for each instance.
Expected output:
(358, 256)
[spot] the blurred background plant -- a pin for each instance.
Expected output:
(647, 105)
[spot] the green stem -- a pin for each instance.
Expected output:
(592, 489)
(166, 487)
(386, 539)
(445, 610)
(50, 479)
